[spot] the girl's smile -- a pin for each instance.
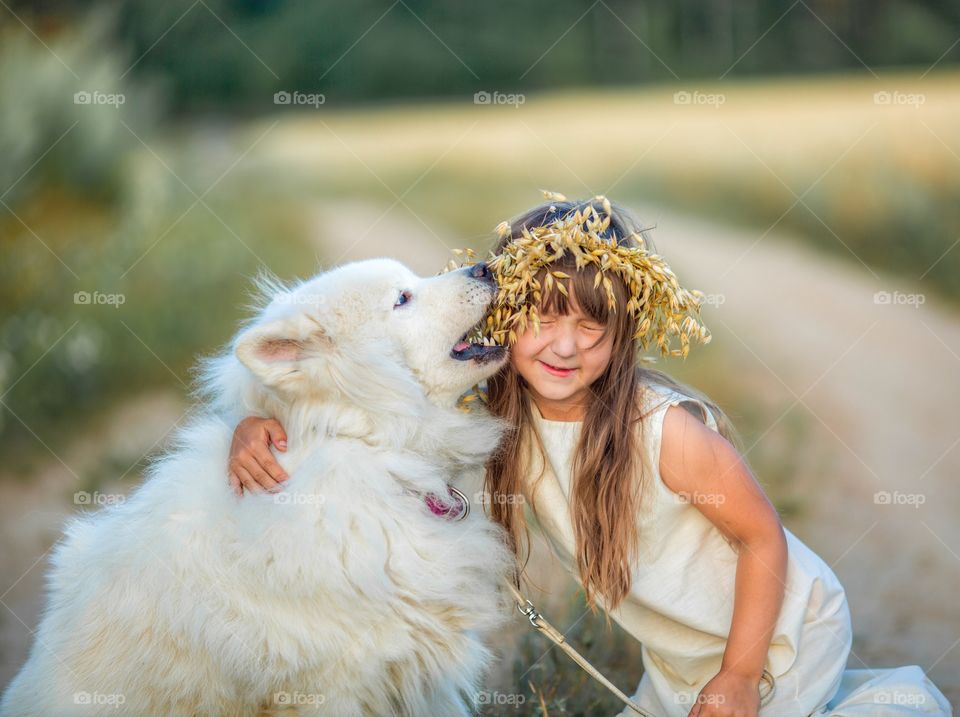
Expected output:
(557, 371)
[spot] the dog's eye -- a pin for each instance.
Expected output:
(404, 297)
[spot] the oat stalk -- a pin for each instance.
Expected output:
(659, 306)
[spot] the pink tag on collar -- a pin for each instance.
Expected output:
(455, 509)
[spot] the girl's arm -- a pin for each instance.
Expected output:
(251, 465)
(699, 463)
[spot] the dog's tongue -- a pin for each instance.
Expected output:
(460, 346)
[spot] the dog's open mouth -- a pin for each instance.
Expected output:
(472, 345)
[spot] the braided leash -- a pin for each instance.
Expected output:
(539, 622)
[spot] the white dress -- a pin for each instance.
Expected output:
(680, 604)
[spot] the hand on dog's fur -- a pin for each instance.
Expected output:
(252, 465)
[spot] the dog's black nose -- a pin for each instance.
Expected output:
(480, 271)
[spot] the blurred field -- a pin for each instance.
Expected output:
(206, 204)
(876, 183)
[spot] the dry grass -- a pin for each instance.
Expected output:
(871, 182)
(658, 304)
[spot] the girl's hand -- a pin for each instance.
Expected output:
(729, 694)
(251, 464)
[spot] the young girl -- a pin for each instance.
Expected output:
(638, 484)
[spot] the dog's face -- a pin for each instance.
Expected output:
(373, 329)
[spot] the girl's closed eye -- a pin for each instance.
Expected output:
(551, 319)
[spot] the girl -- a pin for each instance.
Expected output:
(639, 485)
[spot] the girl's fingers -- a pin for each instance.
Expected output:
(270, 465)
(277, 435)
(265, 480)
(247, 480)
(235, 484)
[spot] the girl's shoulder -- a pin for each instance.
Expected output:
(657, 398)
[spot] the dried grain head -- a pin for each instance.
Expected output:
(593, 250)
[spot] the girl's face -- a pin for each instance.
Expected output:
(570, 353)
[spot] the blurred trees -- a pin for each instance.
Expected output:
(111, 236)
(239, 52)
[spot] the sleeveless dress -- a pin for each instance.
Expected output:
(680, 605)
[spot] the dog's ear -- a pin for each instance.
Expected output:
(274, 352)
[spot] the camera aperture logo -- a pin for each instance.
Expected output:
(98, 298)
(886, 497)
(112, 700)
(293, 699)
(301, 299)
(82, 497)
(500, 699)
(284, 497)
(899, 298)
(708, 99)
(110, 99)
(308, 99)
(499, 98)
(895, 97)
(482, 497)
(697, 498)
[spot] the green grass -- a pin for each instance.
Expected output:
(184, 277)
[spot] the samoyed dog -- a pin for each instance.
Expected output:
(350, 592)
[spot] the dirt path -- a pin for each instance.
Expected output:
(32, 511)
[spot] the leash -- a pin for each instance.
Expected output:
(537, 620)
(540, 623)
(455, 506)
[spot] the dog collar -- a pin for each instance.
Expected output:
(455, 507)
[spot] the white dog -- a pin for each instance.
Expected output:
(344, 594)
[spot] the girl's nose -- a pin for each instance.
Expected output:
(564, 344)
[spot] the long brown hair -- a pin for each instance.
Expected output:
(607, 481)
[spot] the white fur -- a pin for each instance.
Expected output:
(343, 592)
